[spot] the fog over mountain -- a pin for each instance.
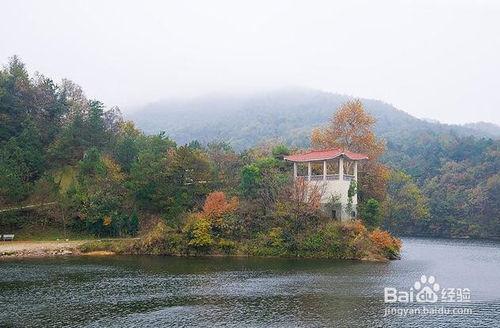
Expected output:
(435, 59)
(485, 127)
(288, 114)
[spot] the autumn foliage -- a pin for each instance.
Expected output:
(352, 128)
(217, 204)
(210, 227)
(386, 241)
(304, 197)
(356, 226)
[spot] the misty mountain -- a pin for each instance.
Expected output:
(485, 128)
(286, 114)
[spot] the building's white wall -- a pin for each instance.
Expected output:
(328, 188)
(339, 188)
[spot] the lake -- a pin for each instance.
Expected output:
(147, 291)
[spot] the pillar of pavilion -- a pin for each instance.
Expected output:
(333, 170)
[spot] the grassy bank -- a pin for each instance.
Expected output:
(334, 241)
(51, 234)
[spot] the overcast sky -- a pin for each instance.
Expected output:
(433, 59)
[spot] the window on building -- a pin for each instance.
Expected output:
(302, 169)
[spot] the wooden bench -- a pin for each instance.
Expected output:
(7, 237)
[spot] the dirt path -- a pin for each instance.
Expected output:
(38, 248)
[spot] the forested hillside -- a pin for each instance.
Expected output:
(70, 163)
(486, 128)
(456, 168)
(287, 114)
(88, 170)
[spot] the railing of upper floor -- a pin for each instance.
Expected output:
(348, 177)
(328, 177)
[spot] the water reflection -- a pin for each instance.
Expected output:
(161, 291)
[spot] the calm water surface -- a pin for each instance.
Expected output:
(148, 291)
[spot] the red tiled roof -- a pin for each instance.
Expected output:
(321, 155)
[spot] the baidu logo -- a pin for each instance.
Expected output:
(426, 290)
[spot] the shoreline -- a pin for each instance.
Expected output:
(41, 249)
(46, 249)
(49, 248)
(25, 249)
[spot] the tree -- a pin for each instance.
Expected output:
(486, 200)
(352, 128)
(226, 166)
(99, 199)
(370, 213)
(216, 204)
(15, 91)
(298, 206)
(470, 183)
(263, 180)
(167, 179)
(189, 175)
(219, 211)
(280, 151)
(405, 207)
(21, 164)
(351, 192)
(12, 185)
(349, 128)
(149, 174)
(198, 231)
(127, 147)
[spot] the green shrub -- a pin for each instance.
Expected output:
(276, 240)
(160, 240)
(198, 234)
(115, 246)
(314, 242)
(371, 213)
(227, 246)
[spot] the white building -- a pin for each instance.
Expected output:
(330, 171)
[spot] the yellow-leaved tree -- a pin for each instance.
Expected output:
(351, 128)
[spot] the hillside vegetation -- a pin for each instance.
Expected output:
(79, 167)
(88, 171)
(287, 114)
(450, 173)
